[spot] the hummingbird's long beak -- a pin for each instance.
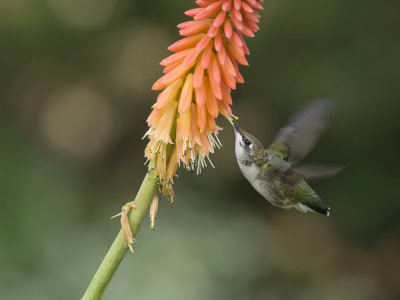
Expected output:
(235, 125)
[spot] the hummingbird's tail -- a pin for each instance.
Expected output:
(321, 210)
(316, 205)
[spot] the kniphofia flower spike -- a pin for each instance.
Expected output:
(196, 86)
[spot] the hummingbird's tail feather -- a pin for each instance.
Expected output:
(314, 208)
(321, 210)
(315, 204)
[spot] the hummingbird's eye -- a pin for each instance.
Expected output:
(248, 142)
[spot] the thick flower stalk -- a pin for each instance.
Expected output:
(197, 85)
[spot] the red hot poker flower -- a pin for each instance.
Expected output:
(198, 80)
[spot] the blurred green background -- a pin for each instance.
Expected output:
(75, 78)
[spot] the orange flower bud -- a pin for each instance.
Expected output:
(186, 43)
(186, 94)
(169, 94)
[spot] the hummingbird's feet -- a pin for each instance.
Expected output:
(126, 229)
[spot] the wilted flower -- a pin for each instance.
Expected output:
(126, 229)
(197, 84)
(153, 210)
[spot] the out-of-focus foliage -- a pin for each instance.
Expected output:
(75, 80)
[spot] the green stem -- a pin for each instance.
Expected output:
(118, 249)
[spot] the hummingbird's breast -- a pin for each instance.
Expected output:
(265, 184)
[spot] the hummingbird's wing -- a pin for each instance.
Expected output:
(294, 141)
(294, 175)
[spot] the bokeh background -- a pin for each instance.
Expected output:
(75, 78)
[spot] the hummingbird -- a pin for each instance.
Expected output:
(274, 172)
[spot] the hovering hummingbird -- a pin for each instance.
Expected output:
(274, 172)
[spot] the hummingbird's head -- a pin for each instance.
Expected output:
(248, 149)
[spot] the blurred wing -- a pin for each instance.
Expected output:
(294, 141)
(298, 173)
